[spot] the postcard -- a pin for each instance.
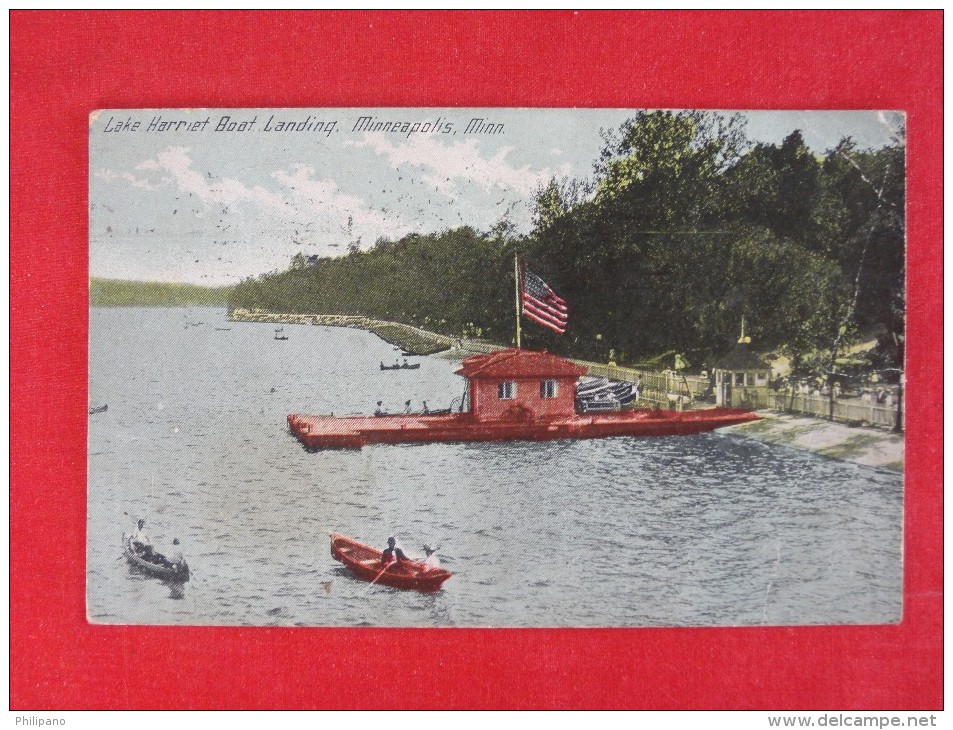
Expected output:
(495, 367)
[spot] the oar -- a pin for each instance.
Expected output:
(384, 570)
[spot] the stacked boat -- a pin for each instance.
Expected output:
(601, 394)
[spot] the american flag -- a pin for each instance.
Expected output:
(541, 304)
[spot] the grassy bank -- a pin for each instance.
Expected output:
(124, 293)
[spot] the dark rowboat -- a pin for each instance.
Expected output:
(595, 405)
(624, 391)
(368, 564)
(99, 409)
(406, 366)
(156, 564)
(605, 398)
(592, 386)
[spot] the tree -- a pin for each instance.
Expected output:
(778, 186)
(683, 229)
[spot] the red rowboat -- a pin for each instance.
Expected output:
(368, 564)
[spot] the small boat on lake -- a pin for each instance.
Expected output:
(279, 334)
(155, 564)
(99, 409)
(398, 366)
(368, 564)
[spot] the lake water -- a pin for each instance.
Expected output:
(708, 530)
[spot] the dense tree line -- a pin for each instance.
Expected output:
(453, 282)
(684, 227)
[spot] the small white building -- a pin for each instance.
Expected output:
(742, 378)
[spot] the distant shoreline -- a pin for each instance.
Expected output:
(128, 293)
(412, 340)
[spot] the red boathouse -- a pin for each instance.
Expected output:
(515, 394)
(520, 385)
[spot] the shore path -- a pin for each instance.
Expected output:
(868, 446)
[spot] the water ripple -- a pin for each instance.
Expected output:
(705, 530)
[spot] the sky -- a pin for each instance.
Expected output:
(212, 196)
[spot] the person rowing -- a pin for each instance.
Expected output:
(140, 540)
(392, 553)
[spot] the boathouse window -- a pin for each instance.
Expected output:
(739, 379)
(507, 390)
(547, 388)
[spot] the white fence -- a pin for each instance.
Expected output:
(850, 410)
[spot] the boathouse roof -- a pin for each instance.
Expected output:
(741, 358)
(519, 363)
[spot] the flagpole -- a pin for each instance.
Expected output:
(516, 280)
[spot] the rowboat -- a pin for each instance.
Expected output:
(405, 366)
(99, 409)
(592, 386)
(624, 391)
(156, 565)
(368, 564)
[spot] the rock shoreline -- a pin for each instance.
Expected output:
(412, 340)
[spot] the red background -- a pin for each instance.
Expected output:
(63, 65)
